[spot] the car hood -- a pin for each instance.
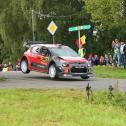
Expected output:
(73, 59)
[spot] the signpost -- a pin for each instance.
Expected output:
(52, 27)
(78, 28)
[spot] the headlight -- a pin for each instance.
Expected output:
(65, 64)
(89, 64)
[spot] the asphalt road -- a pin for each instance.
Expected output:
(16, 79)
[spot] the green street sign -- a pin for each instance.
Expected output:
(72, 29)
(84, 27)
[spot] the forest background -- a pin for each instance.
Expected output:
(107, 17)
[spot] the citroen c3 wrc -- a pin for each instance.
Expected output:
(54, 59)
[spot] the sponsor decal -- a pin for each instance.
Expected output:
(39, 65)
(45, 59)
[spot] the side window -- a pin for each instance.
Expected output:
(44, 52)
(36, 50)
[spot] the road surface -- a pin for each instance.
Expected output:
(16, 79)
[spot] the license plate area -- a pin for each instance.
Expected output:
(79, 67)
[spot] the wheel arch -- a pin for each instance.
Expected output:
(51, 62)
(26, 58)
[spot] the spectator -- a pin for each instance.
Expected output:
(110, 59)
(96, 60)
(122, 53)
(102, 60)
(18, 65)
(116, 56)
(91, 60)
(124, 49)
(106, 60)
(81, 52)
(10, 66)
(5, 68)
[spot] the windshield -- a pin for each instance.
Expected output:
(64, 51)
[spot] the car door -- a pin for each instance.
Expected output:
(45, 58)
(40, 59)
(35, 58)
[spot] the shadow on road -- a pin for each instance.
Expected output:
(58, 79)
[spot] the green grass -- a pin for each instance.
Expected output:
(109, 72)
(34, 107)
(2, 79)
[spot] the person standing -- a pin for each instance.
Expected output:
(124, 50)
(91, 60)
(116, 56)
(81, 51)
(122, 53)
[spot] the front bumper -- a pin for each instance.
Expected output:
(78, 74)
(69, 72)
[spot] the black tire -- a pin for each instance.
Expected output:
(53, 71)
(84, 77)
(24, 66)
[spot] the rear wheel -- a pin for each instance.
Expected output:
(53, 71)
(24, 66)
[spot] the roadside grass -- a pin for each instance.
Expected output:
(109, 72)
(2, 79)
(66, 107)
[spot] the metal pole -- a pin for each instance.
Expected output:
(79, 37)
(53, 39)
(33, 26)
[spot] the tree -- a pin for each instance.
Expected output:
(105, 12)
(16, 23)
(107, 20)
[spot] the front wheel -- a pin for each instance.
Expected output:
(53, 71)
(24, 66)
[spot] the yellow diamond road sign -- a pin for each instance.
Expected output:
(52, 28)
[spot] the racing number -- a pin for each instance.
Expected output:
(45, 59)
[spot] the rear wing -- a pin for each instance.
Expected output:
(28, 44)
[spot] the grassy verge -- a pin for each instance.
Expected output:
(109, 72)
(2, 79)
(60, 108)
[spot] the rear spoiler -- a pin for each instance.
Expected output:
(28, 44)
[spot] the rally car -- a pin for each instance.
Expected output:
(54, 59)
